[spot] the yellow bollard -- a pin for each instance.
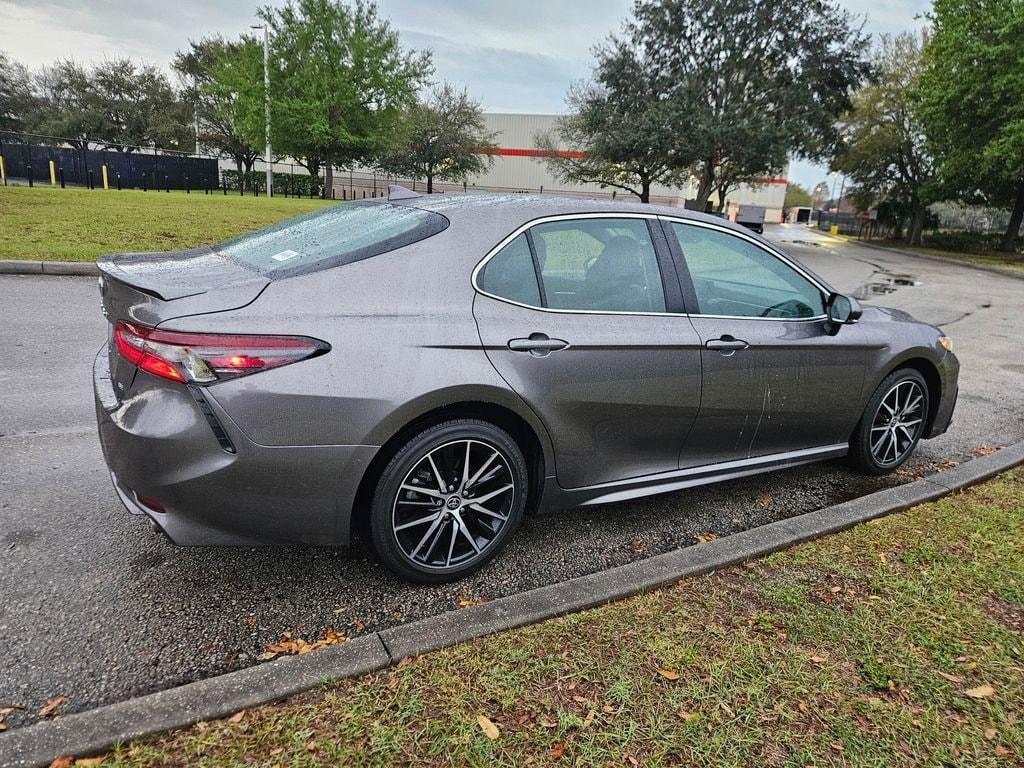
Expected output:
(833, 230)
(106, 184)
(3, 171)
(53, 175)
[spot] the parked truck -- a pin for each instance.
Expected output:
(752, 217)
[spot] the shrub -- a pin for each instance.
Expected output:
(291, 184)
(965, 242)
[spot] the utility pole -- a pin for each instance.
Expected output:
(266, 104)
(195, 85)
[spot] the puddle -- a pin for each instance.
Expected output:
(883, 282)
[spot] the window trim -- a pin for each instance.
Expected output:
(653, 229)
(687, 281)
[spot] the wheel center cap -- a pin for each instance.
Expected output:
(453, 503)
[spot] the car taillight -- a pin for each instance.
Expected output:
(202, 358)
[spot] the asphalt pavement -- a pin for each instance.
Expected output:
(96, 607)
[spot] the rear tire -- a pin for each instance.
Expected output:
(892, 423)
(448, 501)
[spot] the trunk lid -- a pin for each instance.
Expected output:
(152, 288)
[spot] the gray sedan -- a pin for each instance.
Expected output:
(424, 370)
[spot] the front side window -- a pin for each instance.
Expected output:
(733, 277)
(599, 264)
(338, 234)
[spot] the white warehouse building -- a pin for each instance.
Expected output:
(519, 166)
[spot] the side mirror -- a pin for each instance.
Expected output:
(841, 310)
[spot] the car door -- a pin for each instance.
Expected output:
(598, 346)
(774, 378)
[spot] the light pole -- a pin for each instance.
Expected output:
(266, 104)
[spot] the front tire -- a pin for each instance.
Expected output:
(448, 501)
(892, 424)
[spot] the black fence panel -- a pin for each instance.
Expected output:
(134, 168)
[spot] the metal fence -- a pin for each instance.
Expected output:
(123, 169)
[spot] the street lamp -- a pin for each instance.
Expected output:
(266, 103)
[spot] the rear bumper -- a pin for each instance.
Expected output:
(949, 375)
(159, 444)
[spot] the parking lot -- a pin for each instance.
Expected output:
(97, 608)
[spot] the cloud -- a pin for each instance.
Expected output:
(516, 56)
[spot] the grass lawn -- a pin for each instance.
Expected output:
(990, 259)
(44, 223)
(896, 643)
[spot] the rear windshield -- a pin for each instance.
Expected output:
(338, 234)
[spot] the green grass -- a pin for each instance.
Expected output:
(990, 259)
(857, 649)
(44, 223)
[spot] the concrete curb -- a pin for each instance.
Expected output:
(97, 730)
(19, 267)
(1019, 275)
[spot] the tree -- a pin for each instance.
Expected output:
(796, 197)
(883, 144)
(340, 83)
(16, 97)
(746, 82)
(820, 194)
(617, 129)
(444, 138)
(971, 105)
(116, 103)
(209, 70)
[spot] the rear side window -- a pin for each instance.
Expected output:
(510, 274)
(339, 234)
(600, 264)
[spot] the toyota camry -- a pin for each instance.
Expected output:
(427, 369)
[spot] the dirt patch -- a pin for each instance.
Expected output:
(1007, 614)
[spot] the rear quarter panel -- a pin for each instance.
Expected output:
(403, 342)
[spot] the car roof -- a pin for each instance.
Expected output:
(514, 209)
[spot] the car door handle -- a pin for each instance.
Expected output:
(726, 344)
(538, 344)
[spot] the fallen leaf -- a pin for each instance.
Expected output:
(357, 625)
(557, 750)
(951, 678)
(990, 734)
(1001, 751)
(52, 706)
(727, 709)
(705, 537)
(311, 745)
(983, 450)
(836, 590)
(669, 674)
(589, 718)
(467, 602)
(836, 746)
(86, 762)
(686, 716)
(61, 762)
(981, 692)
(276, 751)
(608, 709)
(765, 500)
(237, 717)
(818, 659)
(266, 656)
(490, 729)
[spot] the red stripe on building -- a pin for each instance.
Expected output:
(511, 152)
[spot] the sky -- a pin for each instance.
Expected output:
(512, 55)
